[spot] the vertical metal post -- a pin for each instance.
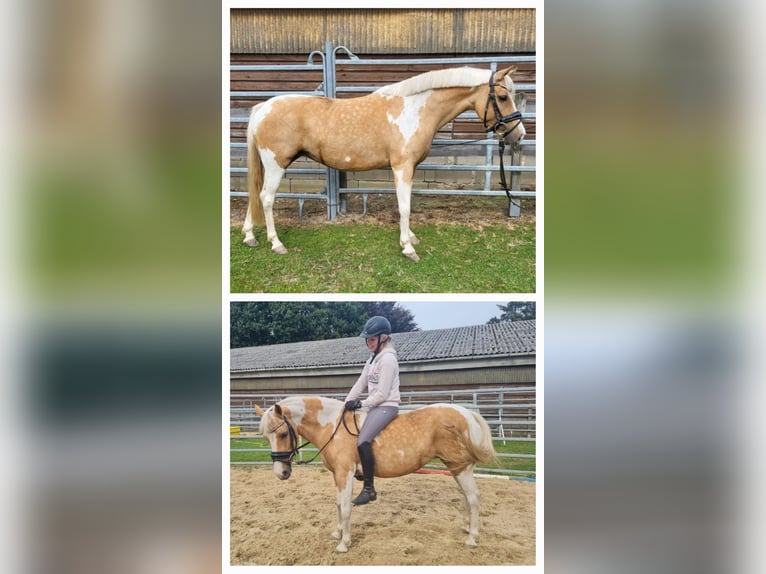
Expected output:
(500, 399)
(529, 425)
(333, 179)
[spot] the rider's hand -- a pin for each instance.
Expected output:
(353, 405)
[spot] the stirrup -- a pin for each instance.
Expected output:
(367, 495)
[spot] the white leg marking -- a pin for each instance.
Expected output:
(343, 502)
(467, 484)
(403, 180)
(247, 228)
(272, 175)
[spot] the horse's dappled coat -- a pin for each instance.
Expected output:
(393, 126)
(457, 436)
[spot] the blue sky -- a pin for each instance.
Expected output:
(445, 314)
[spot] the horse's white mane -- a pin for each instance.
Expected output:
(449, 78)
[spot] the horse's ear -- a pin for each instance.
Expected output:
(505, 72)
(278, 409)
(259, 411)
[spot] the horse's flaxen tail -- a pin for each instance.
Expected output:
(468, 445)
(254, 173)
(480, 444)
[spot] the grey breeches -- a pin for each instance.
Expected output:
(376, 421)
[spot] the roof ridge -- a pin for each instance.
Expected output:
(489, 340)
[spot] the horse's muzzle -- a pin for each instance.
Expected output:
(283, 470)
(510, 128)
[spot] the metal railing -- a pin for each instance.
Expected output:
(509, 411)
(333, 191)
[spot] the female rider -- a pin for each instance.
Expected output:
(380, 377)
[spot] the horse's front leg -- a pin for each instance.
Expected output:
(467, 484)
(343, 491)
(403, 181)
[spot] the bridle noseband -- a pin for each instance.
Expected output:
(286, 455)
(501, 122)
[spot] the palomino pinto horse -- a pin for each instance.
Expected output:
(394, 126)
(451, 433)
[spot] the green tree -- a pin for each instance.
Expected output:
(269, 323)
(515, 311)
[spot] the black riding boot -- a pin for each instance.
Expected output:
(368, 493)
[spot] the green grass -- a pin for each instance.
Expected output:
(362, 258)
(510, 447)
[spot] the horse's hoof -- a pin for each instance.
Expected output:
(471, 542)
(341, 548)
(251, 242)
(413, 256)
(335, 535)
(280, 249)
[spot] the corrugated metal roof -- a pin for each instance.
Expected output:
(384, 31)
(505, 338)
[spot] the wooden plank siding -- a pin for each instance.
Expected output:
(384, 31)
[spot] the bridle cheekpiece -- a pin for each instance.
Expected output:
(286, 455)
(502, 122)
(501, 128)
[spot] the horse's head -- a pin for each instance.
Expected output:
(277, 429)
(499, 112)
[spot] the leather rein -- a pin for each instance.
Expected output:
(288, 455)
(500, 127)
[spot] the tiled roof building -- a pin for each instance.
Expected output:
(501, 354)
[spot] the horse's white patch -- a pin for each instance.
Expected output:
(260, 111)
(399, 177)
(474, 429)
(328, 414)
(347, 158)
(297, 410)
(268, 158)
(409, 119)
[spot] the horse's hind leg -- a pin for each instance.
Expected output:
(247, 228)
(273, 173)
(403, 179)
(467, 484)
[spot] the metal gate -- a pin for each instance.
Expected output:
(333, 193)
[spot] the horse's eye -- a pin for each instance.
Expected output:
(283, 435)
(503, 97)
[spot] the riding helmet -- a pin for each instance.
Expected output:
(376, 325)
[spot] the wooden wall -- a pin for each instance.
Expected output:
(419, 31)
